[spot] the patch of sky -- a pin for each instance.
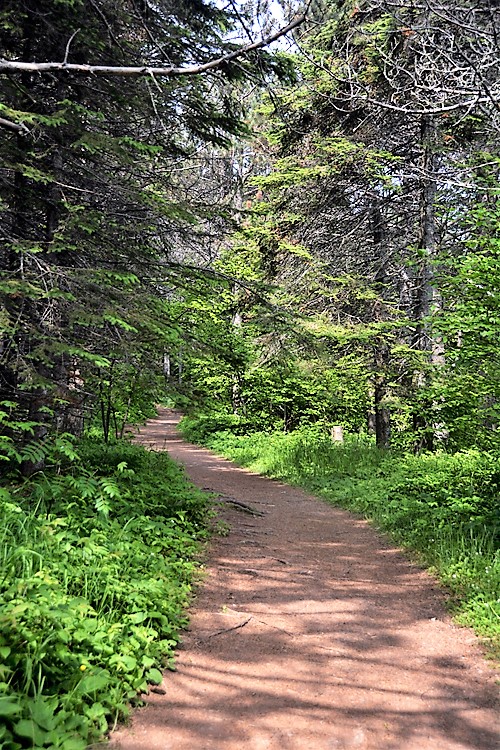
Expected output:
(260, 18)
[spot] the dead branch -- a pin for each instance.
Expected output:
(14, 66)
(13, 126)
(241, 506)
(228, 630)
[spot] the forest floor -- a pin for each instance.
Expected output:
(310, 631)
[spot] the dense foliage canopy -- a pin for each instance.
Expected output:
(103, 207)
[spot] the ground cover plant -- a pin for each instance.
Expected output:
(442, 506)
(96, 568)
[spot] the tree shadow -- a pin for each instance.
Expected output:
(313, 632)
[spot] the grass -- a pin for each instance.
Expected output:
(442, 507)
(97, 561)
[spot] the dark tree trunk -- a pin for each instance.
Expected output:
(382, 414)
(381, 354)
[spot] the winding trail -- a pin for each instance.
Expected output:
(310, 632)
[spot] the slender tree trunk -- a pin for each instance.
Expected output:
(21, 344)
(381, 354)
(428, 300)
(237, 322)
(382, 414)
(427, 297)
(167, 366)
(180, 367)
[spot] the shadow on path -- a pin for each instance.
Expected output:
(311, 633)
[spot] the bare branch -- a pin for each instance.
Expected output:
(13, 126)
(13, 66)
(69, 45)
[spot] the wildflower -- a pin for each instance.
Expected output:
(83, 667)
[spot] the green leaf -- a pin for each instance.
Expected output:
(73, 743)
(43, 714)
(29, 729)
(154, 676)
(9, 706)
(95, 711)
(91, 683)
(124, 663)
(137, 617)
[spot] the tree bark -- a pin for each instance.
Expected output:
(381, 355)
(427, 299)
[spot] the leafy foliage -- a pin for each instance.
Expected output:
(467, 392)
(96, 571)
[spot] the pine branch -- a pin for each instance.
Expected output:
(13, 66)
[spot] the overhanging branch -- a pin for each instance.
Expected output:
(13, 66)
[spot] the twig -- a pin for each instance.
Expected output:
(227, 630)
(241, 506)
(68, 46)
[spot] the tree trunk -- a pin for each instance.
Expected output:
(382, 414)
(427, 296)
(381, 353)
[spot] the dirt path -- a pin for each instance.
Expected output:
(311, 633)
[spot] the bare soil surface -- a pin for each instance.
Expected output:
(310, 632)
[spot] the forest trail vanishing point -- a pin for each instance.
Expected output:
(310, 632)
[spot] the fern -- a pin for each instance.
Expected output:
(102, 505)
(109, 487)
(34, 452)
(8, 451)
(63, 445)
(87, 487)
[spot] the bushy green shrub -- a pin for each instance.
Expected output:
(199, 428)
(96, 568)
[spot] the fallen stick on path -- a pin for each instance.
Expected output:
(241, 506)
(226, 630)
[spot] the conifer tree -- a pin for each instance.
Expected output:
(92, 216)
(374, 174)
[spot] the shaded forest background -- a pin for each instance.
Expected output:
(302, 237)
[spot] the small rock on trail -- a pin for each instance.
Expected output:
(310, 632)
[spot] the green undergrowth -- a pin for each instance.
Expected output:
(442, 506)
(97, 561)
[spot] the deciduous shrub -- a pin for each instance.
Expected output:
(96, 569)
